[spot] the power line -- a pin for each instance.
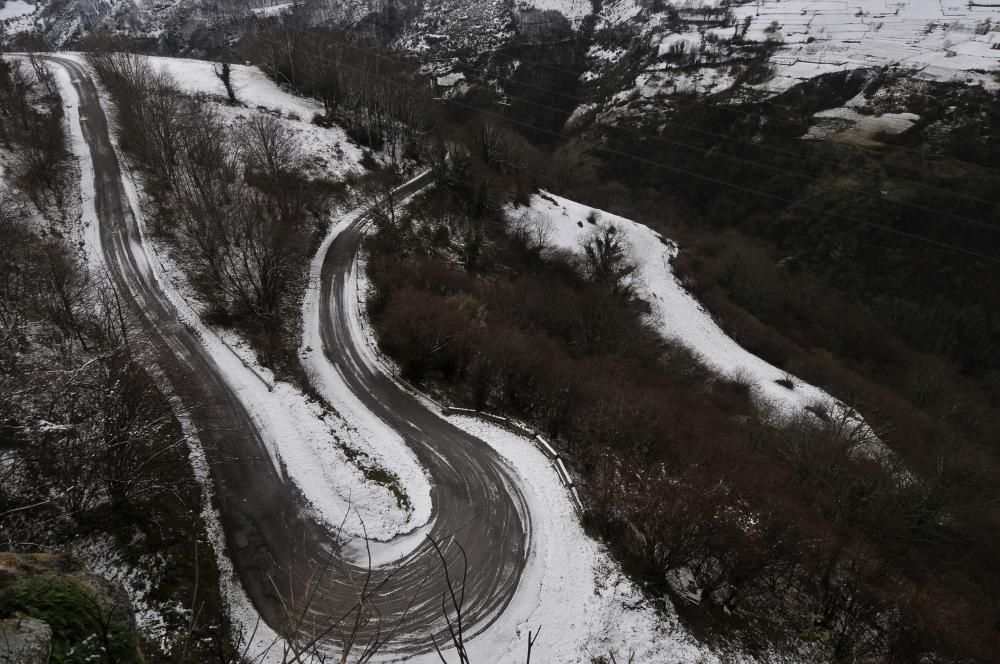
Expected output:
(503, 53)
(738, 111)
(656, 137)
(706, 151)
(650, 162)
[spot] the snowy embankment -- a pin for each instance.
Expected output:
(329, 151)
(570, 589)
(675, 312)
(374, 436)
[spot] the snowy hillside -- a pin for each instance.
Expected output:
(330, 152)
(696, 47)
(636, 49)
(16, 16)
(675, 312)
(941, 39)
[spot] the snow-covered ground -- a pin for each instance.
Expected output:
(941, 39)
(369, 433)
(88, 217)
(267, 11)
(677, 314)
(17, 16)
(570, 587)
(15, 8)
(848, 125)
(103, 557)
(329, 150)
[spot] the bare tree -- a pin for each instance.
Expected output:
(270, 148)
(361, 631)
(224, 72)
(380, 205)
(455, 624)
(453, 605)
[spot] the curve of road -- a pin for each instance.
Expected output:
(290, 566)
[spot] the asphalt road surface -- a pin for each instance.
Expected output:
(289, 565)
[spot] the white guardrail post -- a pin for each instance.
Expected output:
(543, 445)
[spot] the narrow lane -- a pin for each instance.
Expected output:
(288, 564)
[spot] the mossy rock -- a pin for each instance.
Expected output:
(90, 619)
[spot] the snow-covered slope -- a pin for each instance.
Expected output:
(758, 49)
(17, 16)
(675, 312)
(14, 8)
(637, 50)
(329, 150)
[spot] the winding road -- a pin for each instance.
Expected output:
(293, 568)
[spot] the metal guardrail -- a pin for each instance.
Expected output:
(543, 445)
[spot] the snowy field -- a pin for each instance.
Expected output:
(942, 40)
(17, 16)
(268, 11)
(15, 8)
(849, 126)
(330, 151)
(676, 313)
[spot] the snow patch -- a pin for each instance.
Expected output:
(12, 9)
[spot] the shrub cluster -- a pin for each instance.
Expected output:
(803, 525)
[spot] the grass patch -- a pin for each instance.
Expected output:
(83, 627)
(376, 473)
